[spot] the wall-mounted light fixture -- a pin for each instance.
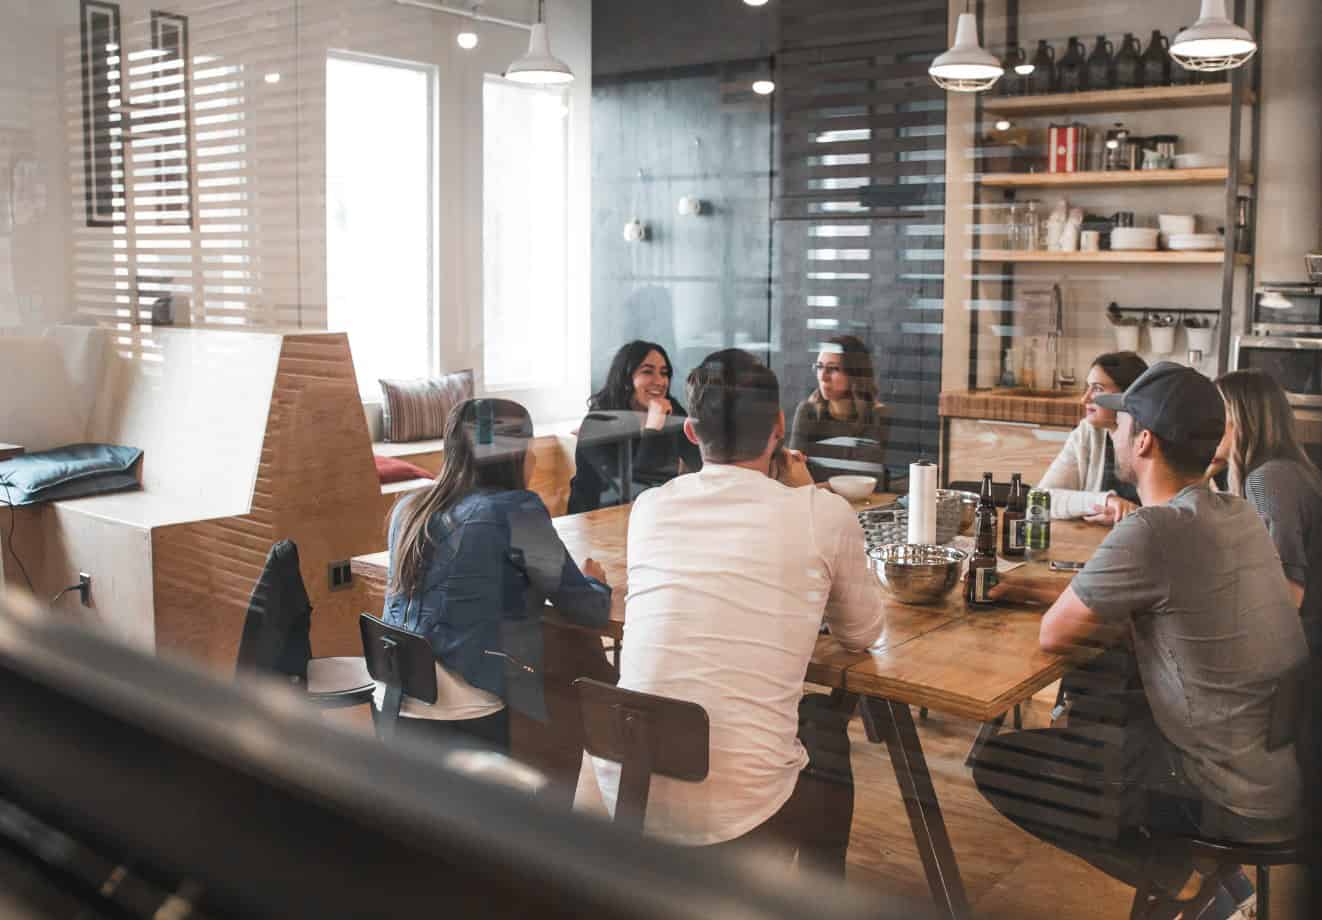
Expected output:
(466, 40)
(635, 231)
(690, 206)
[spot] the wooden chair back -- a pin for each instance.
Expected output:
(645, 735)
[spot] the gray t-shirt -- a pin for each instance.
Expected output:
(1198, 583)
(1291, 507)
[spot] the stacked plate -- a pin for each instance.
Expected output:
(1194, 242)
(1133, 239)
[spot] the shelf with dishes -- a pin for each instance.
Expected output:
(1112, 257)
(1114, 100)
(1210, 175)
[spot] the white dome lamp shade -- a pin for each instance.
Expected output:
(539, 66)
(967, 67)
(1213, 42)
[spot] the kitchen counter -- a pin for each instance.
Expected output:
(1041, 407)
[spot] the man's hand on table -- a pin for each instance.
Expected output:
(790, 467)
(1026, 589)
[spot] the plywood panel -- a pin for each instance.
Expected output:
(978, 446)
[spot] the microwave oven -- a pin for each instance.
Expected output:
(1292, 361)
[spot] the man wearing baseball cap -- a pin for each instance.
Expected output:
(1191, 580)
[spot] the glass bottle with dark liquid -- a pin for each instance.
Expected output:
(1014, 541)
(981, 576)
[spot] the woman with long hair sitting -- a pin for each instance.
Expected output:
(842, 409)
(1082, 479)
(633, 435)
(473, 560)
(1268, 467)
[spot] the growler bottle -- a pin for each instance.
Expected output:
(1156, 62)
(981, 576)
(1013, 539)
(1099, 72)
(1072, 68)
(1043, 78)
(1129, 64)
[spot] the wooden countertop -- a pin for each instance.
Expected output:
(1013, 405)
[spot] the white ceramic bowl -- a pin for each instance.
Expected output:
(1134, 239)
(854, 488)
(1178, 242)
(1177, 223)
(1199, 160)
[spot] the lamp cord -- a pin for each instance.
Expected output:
(9, 538)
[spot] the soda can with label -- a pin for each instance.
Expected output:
(1037, 523)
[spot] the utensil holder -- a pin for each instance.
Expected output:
(1126, 338)
(1201, 339)
(1162, 339)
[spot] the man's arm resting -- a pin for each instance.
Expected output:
(1070, 625)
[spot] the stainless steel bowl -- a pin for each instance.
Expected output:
(917, 573)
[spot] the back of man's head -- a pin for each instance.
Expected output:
(734, 401)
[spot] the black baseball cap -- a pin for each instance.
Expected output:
(1175, 402)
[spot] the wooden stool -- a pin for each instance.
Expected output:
(645, 735)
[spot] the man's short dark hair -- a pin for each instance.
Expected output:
(734, 401)
(1186, 458)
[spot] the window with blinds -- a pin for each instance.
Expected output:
(186, 180)
(859, 205)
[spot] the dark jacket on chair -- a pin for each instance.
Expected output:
(276, 630)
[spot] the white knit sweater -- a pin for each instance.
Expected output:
(1075, 476)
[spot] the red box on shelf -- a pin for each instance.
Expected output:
(1067, 147)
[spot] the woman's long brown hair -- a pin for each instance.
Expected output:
(462, 471)
(1258, 409)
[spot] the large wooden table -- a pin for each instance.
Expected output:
(944, 657)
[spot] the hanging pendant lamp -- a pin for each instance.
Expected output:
(539, 66)
(967, 67)
(1213, 42)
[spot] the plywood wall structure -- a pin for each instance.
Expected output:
(173, 565)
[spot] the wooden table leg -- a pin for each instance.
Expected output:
(892, 724)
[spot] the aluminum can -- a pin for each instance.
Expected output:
(1037, 527)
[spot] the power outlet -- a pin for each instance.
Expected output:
(339, 575)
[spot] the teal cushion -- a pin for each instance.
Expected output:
(74, 471)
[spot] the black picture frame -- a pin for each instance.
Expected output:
(101, 40)
(169, 33)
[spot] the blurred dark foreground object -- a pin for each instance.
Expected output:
(129, 781)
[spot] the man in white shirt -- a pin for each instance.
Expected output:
(730, 576)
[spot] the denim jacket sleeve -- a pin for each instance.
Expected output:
(550, 568)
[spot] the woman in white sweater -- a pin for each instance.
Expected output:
(1082, 479)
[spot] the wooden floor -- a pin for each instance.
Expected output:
(1009, 875)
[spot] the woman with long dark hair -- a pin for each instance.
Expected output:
(1082, 479)
(473, 560)
(841, 426)
(1268, 467)
(632, 437)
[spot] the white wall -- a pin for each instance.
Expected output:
(56, 267)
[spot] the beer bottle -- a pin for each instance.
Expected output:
(986, 500)
(1013, 539)
(981, 576)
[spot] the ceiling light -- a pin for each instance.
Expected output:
(1213, 42)
(966, 67)
(1024, 69)
(467, 40)
(756, 2)
(539, 65)
(272, 77)
(1003, 125)
(764, 87)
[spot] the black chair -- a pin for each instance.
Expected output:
(645, 735)
(1290, 723)
(404, 662)
(276, 638)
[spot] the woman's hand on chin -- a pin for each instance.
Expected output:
(657, 410)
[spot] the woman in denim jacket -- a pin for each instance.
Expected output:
(473, 560)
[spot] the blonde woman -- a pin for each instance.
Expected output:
(1269, 468)
(841, 426)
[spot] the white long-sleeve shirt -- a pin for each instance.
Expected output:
(1074, 478)
(730, 575)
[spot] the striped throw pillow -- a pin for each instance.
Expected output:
(415, 410)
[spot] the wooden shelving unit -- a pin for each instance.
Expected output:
(1114, 100)
(1212, 175)
(1214, 257)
